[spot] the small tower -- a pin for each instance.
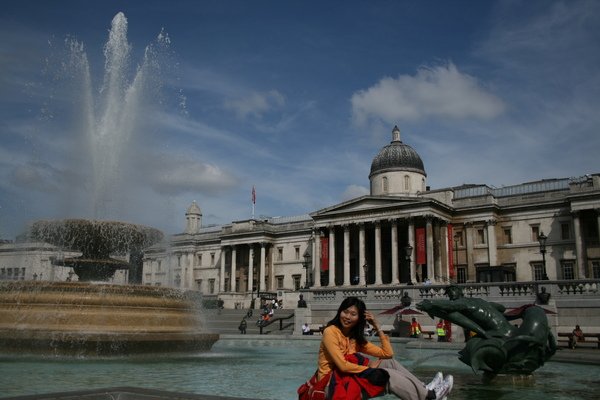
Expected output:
(193, 217)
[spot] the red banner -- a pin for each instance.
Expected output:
(324, 254)
(450, 252)
(421, 247)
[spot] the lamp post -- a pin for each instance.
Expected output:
(306, 265)
(407, 253)
(457, 237)
(542, 239)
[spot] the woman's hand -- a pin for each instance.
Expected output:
(371, 320)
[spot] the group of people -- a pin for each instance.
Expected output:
(345, 372)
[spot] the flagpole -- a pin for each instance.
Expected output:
(253, 198)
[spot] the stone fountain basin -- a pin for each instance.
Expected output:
(80, 318)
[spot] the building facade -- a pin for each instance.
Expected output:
(402, 233)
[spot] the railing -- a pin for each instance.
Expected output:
(525, 291)
(280, 319)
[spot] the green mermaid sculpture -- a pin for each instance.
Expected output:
(498, 346)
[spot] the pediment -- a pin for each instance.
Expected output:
(365, 203)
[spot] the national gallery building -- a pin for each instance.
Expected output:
(402, 233)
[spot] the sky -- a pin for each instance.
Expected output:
(295, 98)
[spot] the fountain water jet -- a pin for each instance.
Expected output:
(85, 318)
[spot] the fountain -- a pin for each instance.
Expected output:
(92, 316)
(97, 241)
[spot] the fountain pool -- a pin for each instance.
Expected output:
(259, 368)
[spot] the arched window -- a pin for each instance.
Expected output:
(385, 184)
(407, 183)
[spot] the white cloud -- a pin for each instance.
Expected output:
(179, 176)
(441, 91)
(354, 191)
(256, 104)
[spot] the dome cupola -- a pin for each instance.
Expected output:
(397, 169)
(193, 216)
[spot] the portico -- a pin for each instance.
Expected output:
(359, 245)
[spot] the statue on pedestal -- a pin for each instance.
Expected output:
(497, 346)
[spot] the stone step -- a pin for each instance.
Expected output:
(227, 321)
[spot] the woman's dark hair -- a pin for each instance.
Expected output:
(358, 331)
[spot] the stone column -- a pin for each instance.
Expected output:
(411, 242)
(317, 260)
(362, 261)
(261, 274)
(331, 256)
(430, 259)
(378, 280)
(222, 277)
(394, 239)
(190, 281)
(233, 270)
(579, 247)
(250, 269)
(346, 255)
(492, 247)
(437, 251)
(444, 269)
(471, 273)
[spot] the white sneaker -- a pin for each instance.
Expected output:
(444, 389)
(437, 380)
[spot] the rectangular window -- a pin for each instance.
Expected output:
(480, 236)
(296, 279)
(461, 275)
(297, 252)
(535, 233)
(212, 259)
(507, 235)
(595, 269)
(537, 271)
(199, 259)
(279, 279)
(565, 231)
(568, 270)
(227, 284)
(237, 284)
(458, 238)
(211, 286)
(179, 261)
(280, 254)
(159, 266)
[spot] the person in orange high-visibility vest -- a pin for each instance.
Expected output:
(440, 329)
(415, 328)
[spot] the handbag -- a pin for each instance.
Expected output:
(313, 389)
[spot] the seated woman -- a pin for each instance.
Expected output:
(577, 336)
(345, 373)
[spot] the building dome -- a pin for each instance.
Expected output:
(397, 156)
(397, 170)
(193, 215)
(194, 209)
